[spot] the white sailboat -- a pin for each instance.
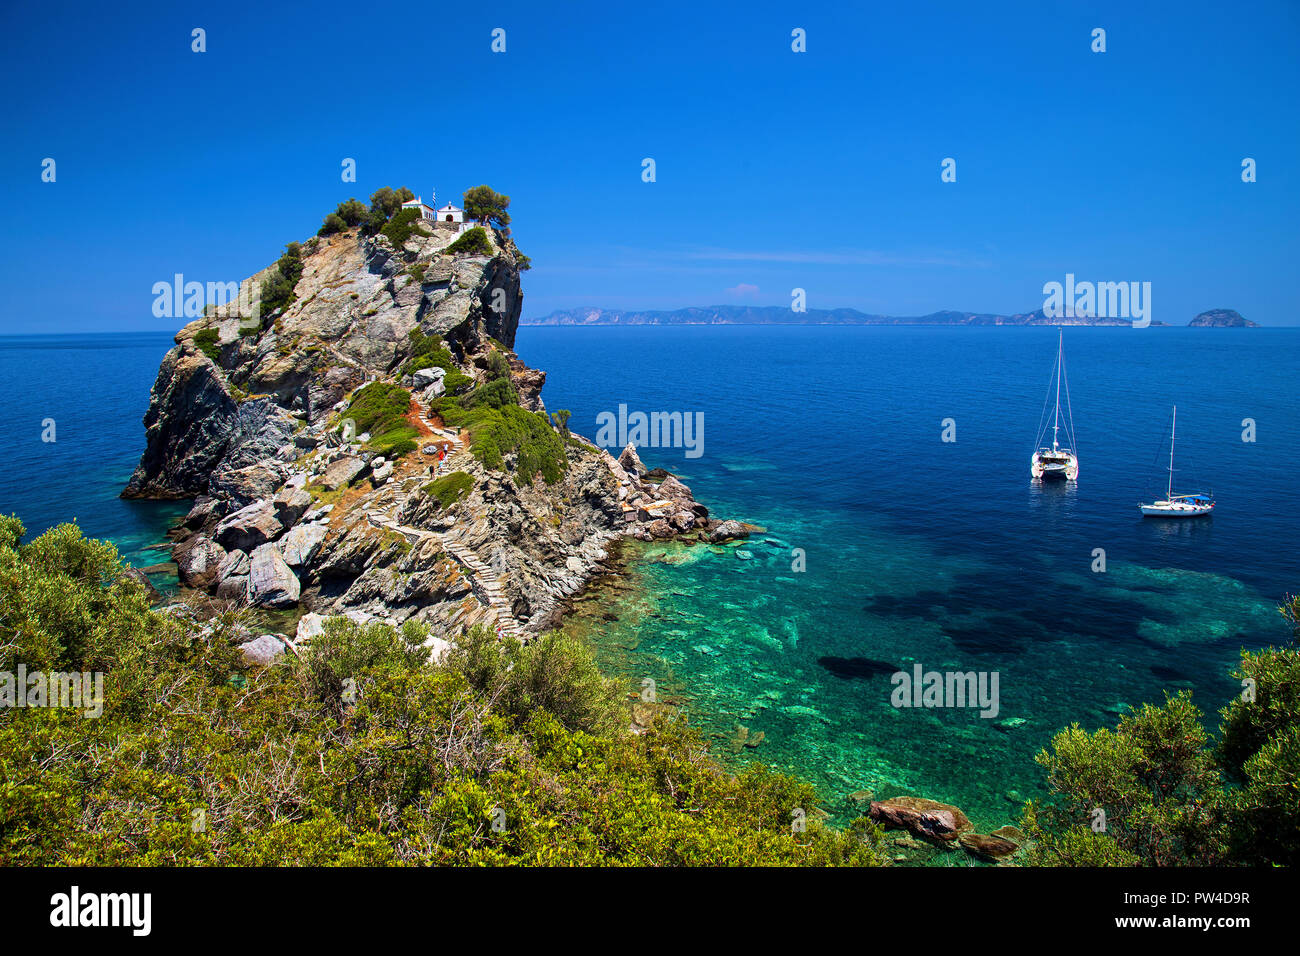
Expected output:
(1177, 506)
(1056, 462)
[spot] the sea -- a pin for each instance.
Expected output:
(901, 531)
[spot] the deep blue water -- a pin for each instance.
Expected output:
(917, 550)
(947, 554)
(96, 389)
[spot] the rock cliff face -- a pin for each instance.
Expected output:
(292, 511)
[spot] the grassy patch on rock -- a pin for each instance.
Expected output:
(499, 427)
(449, 489)
(380, 409)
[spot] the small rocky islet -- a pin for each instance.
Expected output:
(294, 513)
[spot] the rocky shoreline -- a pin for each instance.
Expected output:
(292, 512)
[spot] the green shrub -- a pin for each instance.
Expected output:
(333, 223)
(385, 203)
(497, 393)
(449, 489)
(1170, 796)
(472, 242)
(427, 351)
(380, 409)
(205, 340)
(1260, 749)
(498, 365)
(402, 226)
(456, 382)
(277, 288)
(1154, 778)
(556, 673)
(499, 427)
(352, 212)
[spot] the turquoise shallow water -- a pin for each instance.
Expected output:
(942, 554)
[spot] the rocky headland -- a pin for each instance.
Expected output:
(262, 422)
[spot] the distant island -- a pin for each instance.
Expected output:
(1222, 319)
(783, 315)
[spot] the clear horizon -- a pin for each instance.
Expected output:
(774, 169)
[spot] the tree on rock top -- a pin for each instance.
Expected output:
(389, 201)
(487, 206)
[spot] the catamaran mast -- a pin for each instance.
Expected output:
(1173, 428)
(1056, 417)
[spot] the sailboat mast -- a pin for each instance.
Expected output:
(1173, 429)
(1056, 417)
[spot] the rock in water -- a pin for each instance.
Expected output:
(727, 531)
(1222, 319)
(988, 847)
(188, 426)
(204, 510)
(924, 818)
(271, 582)
(250, 418)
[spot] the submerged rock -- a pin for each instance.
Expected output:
(989, 847)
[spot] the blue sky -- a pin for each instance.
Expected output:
(775, 170)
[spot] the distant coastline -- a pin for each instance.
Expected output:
(783, 315)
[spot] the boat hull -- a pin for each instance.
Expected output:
(1063, 466)
(1176, 509)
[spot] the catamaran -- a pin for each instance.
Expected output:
(1177, 506)
(1056, 462)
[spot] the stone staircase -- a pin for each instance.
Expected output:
(488, 586)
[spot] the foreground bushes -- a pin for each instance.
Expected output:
(1169, 795)
(356, 752)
